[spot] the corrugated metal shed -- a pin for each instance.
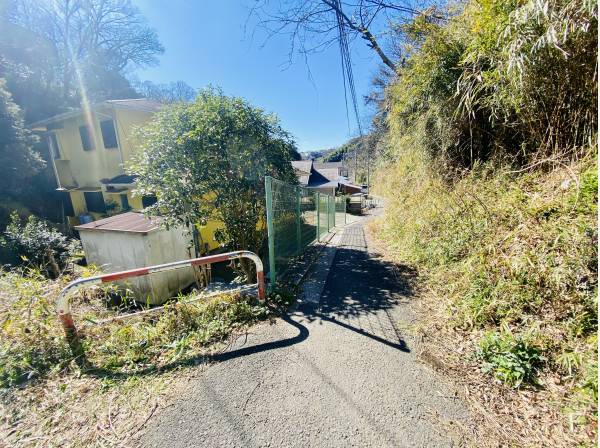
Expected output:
(125, 222)
(132, 240)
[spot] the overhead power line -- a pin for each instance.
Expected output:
(348, 78)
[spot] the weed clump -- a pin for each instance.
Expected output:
(175, 335)
(37, 243)
(512, 359)
(127, 365)
(32, 343)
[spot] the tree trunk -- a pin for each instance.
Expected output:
(201, 273)
(247, 267)
(52, 264)
(364, 33)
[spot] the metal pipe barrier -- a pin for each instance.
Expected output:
(63, 303)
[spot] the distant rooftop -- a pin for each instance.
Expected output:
(332, 174)
(318, 180)
(327, 165)
(312, 174)
(125, 222)
(302, 165)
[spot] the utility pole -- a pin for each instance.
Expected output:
(368, 170)
(355, 163)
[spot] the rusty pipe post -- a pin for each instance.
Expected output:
(63, 302)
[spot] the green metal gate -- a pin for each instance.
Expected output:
(296, 217)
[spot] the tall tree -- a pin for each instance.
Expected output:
(87, 46)
(207, 160)
(18, 161)
(314, 25)
(173, 92)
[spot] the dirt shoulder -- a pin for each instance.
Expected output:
(500, 415)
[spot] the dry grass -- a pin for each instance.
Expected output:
(505, 250)
(49, 398)
(82, 411)
(501, 415)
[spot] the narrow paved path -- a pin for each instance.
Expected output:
(341, 374)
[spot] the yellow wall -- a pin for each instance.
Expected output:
(207, 233)
(88, 167)
(79, 206)
(79, 168)
(78, 201)
(134, 201)
(126, 121)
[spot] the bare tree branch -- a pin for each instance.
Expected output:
(98, 38)
(312, 24)
(364, 32)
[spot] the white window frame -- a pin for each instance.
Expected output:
(60, 153)
(58, 145)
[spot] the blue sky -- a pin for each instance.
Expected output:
(205, 43)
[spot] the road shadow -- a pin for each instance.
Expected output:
(362, 294)
(236, 352)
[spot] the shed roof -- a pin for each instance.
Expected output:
(125, 222)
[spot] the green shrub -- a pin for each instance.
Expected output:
(181, 330)
(511, 359)
(31, 343)
(490, 170)
(37, 243)
(479, 86)
(282, 298)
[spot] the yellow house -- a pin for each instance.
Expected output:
(88, 150)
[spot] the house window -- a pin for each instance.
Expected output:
(67, 204)
(86, 138)
(109, 134)
(124, 202)
(94, 201)
(147, 201)
(53, 146)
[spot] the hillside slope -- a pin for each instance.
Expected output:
(509, 267)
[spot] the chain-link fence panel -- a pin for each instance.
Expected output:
(340, 210)
(296, 216)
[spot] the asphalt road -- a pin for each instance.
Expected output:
(342, 374)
